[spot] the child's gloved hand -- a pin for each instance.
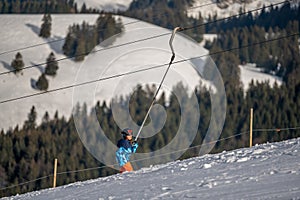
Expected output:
(135, 146)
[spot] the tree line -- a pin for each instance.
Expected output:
(41, 7)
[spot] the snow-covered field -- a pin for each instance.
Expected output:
(249, 71)
(268, 171)
(21, 31)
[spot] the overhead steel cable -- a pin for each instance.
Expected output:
(84, 54)
(140, 40)
(26, 182)
(59, 40)
(145, 69)
(275, 129)
(32, 46)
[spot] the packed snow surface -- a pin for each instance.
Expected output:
(268, 171)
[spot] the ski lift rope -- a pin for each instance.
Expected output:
(145, 69)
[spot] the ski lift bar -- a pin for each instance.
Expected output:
(154, 98)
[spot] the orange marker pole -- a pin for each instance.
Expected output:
(251, 126)
(54, 174)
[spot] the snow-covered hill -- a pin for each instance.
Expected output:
(268, 171)
(19, 31)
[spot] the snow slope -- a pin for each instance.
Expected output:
(19, 31)
(268, 171)
(249, 71)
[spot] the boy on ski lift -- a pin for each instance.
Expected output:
(126, 148)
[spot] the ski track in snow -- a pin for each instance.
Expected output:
(268, 171)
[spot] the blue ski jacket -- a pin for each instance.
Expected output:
(124, 152)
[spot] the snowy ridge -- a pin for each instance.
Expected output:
(264, 171)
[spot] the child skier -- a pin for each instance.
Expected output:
(126, 148)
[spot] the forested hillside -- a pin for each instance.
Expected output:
(28, 150)
(37, 6)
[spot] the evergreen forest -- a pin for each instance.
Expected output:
(41, 7)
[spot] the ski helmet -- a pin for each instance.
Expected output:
(126, 131)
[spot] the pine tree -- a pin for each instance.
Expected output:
(6, 7)
(3, 177)
(52, 65)
(83, 8)
(243, 41)
(45, 31)
(46, 118)
(1, 6)
(80, 50)
(18, 63)
(69, 45)
(30, 123)
(16, 6)
(42, 83)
